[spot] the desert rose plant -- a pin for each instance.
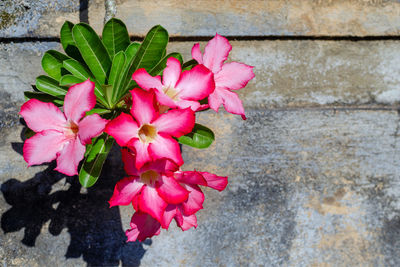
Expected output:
(111, 89)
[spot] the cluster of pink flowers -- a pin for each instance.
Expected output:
(162, 110)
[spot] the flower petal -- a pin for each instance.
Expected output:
(128, 158)
(234, 76)
(175, 122)
(186, 222)
(171, 191)
(144, 108)
(231, 102)
(214, 181)
(40, 116)
(192, 104)
(190, 177)
(33, 151)
(142, 227)
(91, 126)
(196, 53)
(216, 52)
(215, 100)
(151, 203)
(165, 147)
(172, 72)
(79, 99)
(195, 84)
(146, 81)
(69, 158)
(165, 100)
(142, 154)
(163, 166)
(195, 200)
(125, 191)
(123, 128)
(169, 214)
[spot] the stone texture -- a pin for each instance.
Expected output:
(306, 187)
(288, 73)
(43, 18)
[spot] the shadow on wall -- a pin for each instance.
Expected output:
(95, 229)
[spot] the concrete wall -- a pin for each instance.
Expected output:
(314, 173)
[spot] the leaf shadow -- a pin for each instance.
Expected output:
(96, 231)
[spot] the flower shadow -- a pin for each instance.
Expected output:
(96, 231)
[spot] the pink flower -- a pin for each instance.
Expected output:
(227, 77)
(149, 188)
(142, 227)
(59, 135)
(149, 133)
(178, 89)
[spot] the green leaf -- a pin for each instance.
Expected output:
(79, 71)
(99, 111)
(28, 133)
(158, 69)
(68, 42)
(68, 80)
(189, 64)
(116, 74)
(131, 51)
(115, 36)
(92, 50)
(43, 97)
(50, 86)
(200, 137)
(52, 64)
(91, 168)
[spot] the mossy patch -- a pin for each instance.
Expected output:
(6, 19)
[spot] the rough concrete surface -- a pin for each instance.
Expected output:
(33, 18)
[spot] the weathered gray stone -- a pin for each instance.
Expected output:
(258, 17)
(317, 186)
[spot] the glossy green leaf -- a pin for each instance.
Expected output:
(200, 137)
(43, 97)
(158, 69)
(68, 80)
(68, 42)
(50, 86)
(79, 71)
(99, 111)
(52, 64)
(189, 64)
(115, 37)
(116, 75)
(92, 50)
(91, 168)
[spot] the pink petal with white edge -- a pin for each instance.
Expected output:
(216, 52)
(142, 227)
(142, 154)
(196, 53)
(214, 181)
(146, 81)
(192, 104)
(165, 100)
(231, 102)
(69, 158)
(123, 128)
(190, 177)
(172, 72)
(169, 214)
(151, 203)
(79, 99)
(125, 191)
(171, 191)
(215, 100)
(195, 84)
(40, 116)
(234, 76)
(129, 160)
(165, 147)
(195, 200)
(144, 108)
(43, 147)
(187, 222)
(91, 126)
(175, 122)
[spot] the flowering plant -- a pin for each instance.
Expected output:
(144, 99)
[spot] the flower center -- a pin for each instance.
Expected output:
(71, 130)
(147, 133)
(171, 93)
(149, 177)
